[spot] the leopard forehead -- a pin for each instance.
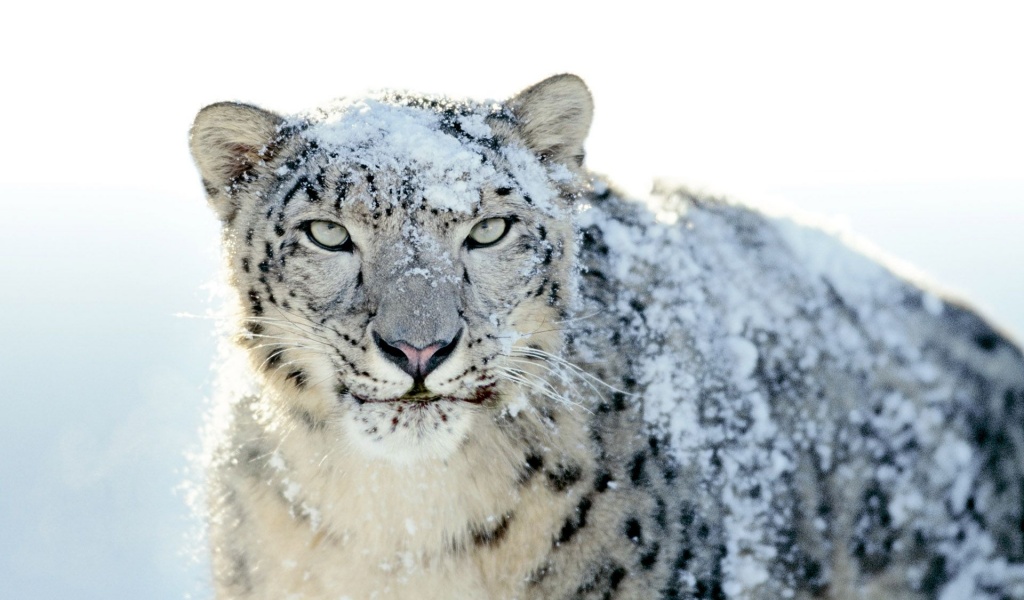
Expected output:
(412, 150)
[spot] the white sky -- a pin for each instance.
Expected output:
(751, 94)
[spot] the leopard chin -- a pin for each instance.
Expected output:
(408, 431)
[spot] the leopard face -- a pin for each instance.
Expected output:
(401, 262)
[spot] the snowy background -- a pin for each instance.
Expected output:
(901, 120)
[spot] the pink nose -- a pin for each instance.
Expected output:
(417, 357)
(417, 362)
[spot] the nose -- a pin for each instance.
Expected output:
(417, 362)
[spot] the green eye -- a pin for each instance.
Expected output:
(487, 232)
(328, 235)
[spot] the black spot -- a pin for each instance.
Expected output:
(593, 241)
(248, 236)
(633, 531)
(576, 521)
(710, 591)
(311, 422)
(553, 294)
(873, 547)
(313, 191)
(987, 341)
(687, 514)
(539, 574)
(618, 401)
(605, 579)
(934, 577)
(245, 264)
(811, 572)
(264, 266)
(274, 358)
(532, 463)
(1010, 399)
(302, 182)
(684, 558)
(637, 474)
(342, 190)
(616, 577)
(650, 558)
(210, 189)
(602, 480)
(255, 304)
(660, 513)
(238, 575)
(484, 536)
(298, 377)
(669, 471)
(564, 476)
(655, 444)
(254, 463)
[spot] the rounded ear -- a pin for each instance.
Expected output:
(228, 142)
(554, 117)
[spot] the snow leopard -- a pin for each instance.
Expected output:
(477, 370)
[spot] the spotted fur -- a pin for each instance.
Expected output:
(591, 406)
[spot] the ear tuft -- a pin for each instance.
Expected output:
(554, 117)
(228, 140)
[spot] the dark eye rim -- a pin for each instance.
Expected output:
(346, 246)
(472, 244)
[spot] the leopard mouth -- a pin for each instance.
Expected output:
(421, 396)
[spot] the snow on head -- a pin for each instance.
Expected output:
(441, 149)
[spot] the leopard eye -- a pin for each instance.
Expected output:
(487, 232)
(327, 235)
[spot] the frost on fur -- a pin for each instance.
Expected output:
(592, 400)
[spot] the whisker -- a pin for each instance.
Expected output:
(539, 385)
(542, 354)
(566, 377)
(582, 317)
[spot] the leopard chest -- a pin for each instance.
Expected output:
(307, 515)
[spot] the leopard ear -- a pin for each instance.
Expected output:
(554, 117)
(229, 141)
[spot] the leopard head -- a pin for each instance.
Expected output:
(401, 262)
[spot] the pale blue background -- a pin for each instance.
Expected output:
(904, 120)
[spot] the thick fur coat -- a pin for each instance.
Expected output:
(481, 373)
